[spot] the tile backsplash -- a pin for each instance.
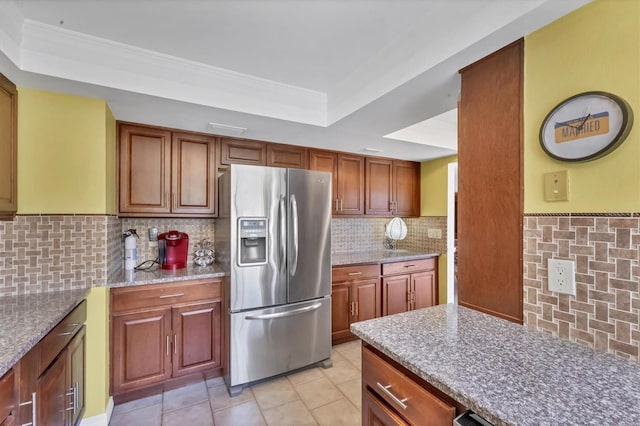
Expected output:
(40, 253)
(605, 313)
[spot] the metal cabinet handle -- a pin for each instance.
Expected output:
(166, 296)
(72, 394)
(33, 410)
(175, 343)
(400, 402)
(409, 266)
(168, 344)
(357, 307)
(68, 333)
(355, 273)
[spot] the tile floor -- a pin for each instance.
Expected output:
(311, 397)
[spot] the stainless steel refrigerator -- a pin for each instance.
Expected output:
(273, 237)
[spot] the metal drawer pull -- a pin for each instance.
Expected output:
(355, 273)
(409, 266)
(168, 344)
(166, 296)
(33, 410)
(69, 333)
(400, 402)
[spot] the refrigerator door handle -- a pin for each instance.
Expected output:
(294, 230)
(283, 232)
(285, 314)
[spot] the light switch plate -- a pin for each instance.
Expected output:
(562, 276)
(556, 186)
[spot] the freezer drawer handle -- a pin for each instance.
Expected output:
(285, 314)
(385, 389)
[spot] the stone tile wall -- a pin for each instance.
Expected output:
(51, 252)
(605, 313)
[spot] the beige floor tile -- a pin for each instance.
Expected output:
(342, 371)
(353, 391)
(274, 392)
(187, 395)
(293, 413)
(145, 416)
(338, 413)
(247, 414)
(349, 345)
(194, 415)
(318, 392)
(220, 399)
(138, 403)
(305, 376)
(336, 355)
(354, 356)
(216, 381)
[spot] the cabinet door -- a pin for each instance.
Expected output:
(406, 188)
(425, 292)
(77, 380)
(366, 295)
(350, 185)
(27, 370)
(242, 151)
(341, 311)
(287, 156)
(52, 398)
(194, 180)
(375, 413)
(8, 406)
(145, 167)
(379, 186)
(196, 344)
(395, 294)
(8, 147)
(326, 161)
(141, 349)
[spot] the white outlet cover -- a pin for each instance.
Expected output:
(562, 276)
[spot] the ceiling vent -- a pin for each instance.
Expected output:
(224, 129)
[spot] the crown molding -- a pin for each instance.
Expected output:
(58, 52)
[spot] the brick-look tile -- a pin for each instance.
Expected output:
(619, 222)
(623, 238)
(623, 269)
(623, 300)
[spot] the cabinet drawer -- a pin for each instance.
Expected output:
(61, 335)
(356, 272)
(421, 406)
(153, 295)
(408, 266)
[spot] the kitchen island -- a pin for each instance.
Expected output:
(506, 373)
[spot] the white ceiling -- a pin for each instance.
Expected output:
(335, 74)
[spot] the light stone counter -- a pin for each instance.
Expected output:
(158, 276)
(26, 319)
(505, 372)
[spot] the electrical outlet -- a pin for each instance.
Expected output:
(562, 276)
(153, 237)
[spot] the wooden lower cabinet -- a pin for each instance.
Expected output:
(54, 391)
(409, 291)
(152, 344)
(8, 401)
(391, 395)
(355, 296)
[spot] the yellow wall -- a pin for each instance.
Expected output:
(61, 153)
(97, 355)
(433, 186)
(596, 47)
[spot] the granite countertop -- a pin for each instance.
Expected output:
(26, 319)
(505, 372)
(377, 256)
(158, 276)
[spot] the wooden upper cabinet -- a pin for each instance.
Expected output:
(406, 188)
(166, 174)
(393, 187)
(287, 156)
(242, 151)
(194, 181)
(8, 148)
(347, 174)
(145, 167)
(379, 186)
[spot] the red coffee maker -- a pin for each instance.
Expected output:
(173, 248)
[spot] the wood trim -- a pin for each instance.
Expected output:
(9, 201)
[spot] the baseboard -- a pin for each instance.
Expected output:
(100, 419)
